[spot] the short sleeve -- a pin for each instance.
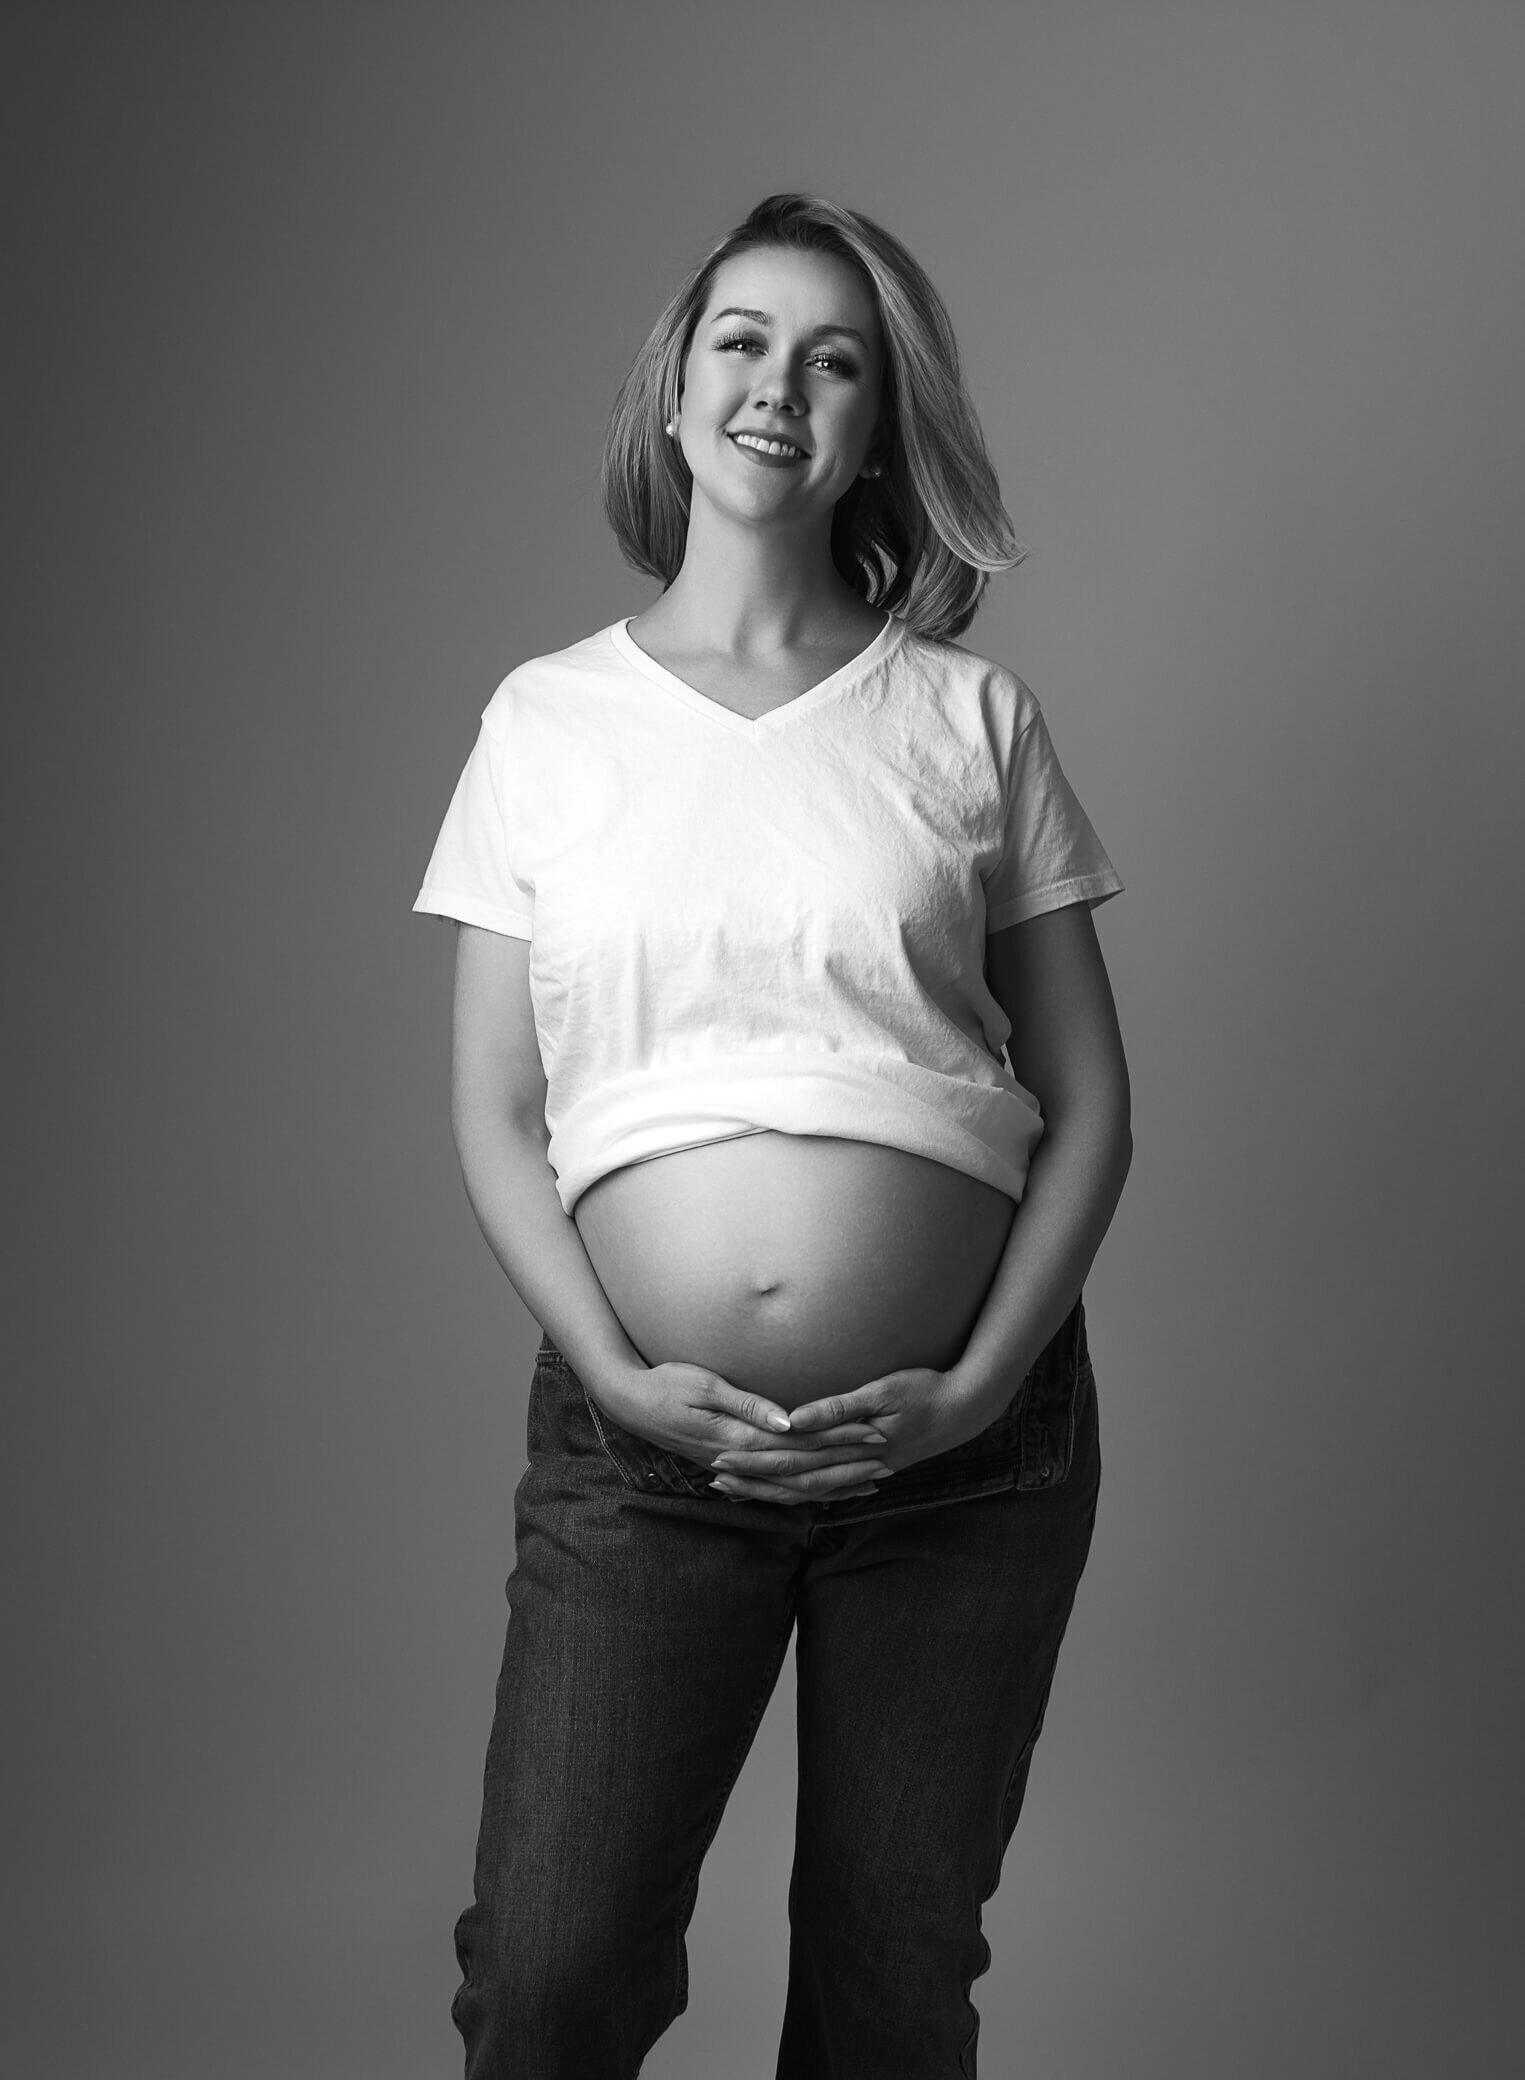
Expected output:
(470, 875)
(1051, 855)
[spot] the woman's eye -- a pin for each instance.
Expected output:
(836, 363)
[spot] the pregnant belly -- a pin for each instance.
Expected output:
(795, 1265)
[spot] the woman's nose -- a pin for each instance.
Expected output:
(777, 389)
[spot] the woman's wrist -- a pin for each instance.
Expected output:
(616, 1386)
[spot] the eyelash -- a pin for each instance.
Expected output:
(747, 339)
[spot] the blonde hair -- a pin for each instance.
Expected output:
(921, 538)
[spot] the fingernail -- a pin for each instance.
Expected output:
(777, 1421)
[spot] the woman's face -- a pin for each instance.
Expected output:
(787, 351)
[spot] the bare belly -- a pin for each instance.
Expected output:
(795, 1265)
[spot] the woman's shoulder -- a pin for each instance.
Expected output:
(964, 673)
(577, 666)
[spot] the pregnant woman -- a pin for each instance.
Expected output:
(752, 889)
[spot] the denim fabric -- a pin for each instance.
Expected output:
(649, 1620)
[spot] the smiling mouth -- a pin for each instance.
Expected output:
(761, 445)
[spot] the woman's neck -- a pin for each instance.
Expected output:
(747, 593)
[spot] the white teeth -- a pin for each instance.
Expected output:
(752, 440)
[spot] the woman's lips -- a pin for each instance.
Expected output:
(761, 455)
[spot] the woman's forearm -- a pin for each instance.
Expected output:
(1073, 1185)
(512, 1189)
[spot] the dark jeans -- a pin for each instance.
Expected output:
(649, 1619)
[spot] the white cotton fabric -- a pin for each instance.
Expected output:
(741, 925)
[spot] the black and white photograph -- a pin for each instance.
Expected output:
(762, 770)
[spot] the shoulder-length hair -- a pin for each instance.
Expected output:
(922, 537)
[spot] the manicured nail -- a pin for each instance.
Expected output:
(778, 1421)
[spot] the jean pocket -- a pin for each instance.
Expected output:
(1049, 1404)
(565, 1417)
(642, 1464)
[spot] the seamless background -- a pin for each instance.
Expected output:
(315, 316)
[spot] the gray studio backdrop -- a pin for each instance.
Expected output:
(315, 317)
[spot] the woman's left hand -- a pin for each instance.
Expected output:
(918, 1411)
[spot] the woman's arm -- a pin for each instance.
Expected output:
(498, 1111)
(1048, 976)
(498, 1095)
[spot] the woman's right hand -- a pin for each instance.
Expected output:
(690, 1410)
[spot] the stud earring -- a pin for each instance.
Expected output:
(672, 429)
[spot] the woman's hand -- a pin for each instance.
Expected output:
(918, 1412)
(694, 1412)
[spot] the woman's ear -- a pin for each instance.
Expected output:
(881, 442)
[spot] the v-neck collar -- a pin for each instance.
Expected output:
(755, 725)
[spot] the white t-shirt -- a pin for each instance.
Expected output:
(740, 925)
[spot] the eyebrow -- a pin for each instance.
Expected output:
(734, 310)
